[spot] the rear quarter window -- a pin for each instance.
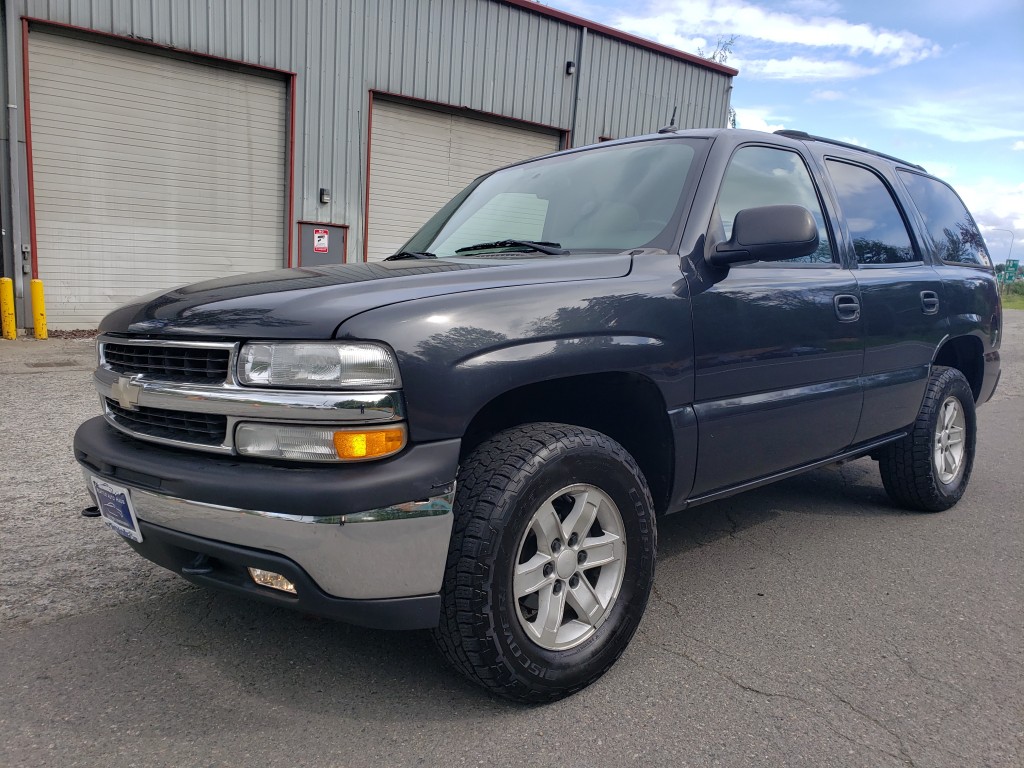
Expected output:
(951, 231)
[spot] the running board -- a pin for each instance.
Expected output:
(860, 450)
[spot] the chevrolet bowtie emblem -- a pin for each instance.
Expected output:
(126, 391)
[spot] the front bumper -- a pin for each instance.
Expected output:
(225, 567)
(347, 533)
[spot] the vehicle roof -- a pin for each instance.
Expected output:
(739, 135)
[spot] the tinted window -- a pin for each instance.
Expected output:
(951, 230)
(759, 176)
(879, 234)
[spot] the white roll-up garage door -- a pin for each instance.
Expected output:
(421, 158)
(149, 172)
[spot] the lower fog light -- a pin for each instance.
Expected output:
(272, 580)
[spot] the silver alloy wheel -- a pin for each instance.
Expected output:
(569, 567)
(949, 448)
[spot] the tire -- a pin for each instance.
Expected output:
(928, 470)
(513, 634)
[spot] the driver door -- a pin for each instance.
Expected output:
(778, 346)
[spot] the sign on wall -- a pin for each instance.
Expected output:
(321, 244)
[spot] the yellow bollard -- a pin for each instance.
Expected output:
(7, 321)
(39, 309)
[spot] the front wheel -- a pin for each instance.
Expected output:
(551, 561)
(928, 470)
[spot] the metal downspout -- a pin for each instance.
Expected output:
(576, 86)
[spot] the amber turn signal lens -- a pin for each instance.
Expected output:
(368, 444)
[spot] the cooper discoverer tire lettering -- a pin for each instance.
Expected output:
(551, 561)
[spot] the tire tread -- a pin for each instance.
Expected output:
(906, 465)
(499, 466)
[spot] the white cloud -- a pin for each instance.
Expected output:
(1018, 146)
(814, 7)
(758, 119)
(976, 114)
(828, 96)
(673, 22)
(942, 169)
(997, 207)
(852, 140)
(802, 68)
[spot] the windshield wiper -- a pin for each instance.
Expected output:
(410, 255)
(552, 249)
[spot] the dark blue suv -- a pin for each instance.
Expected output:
(478, 434)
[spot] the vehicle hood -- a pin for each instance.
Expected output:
(311, 302)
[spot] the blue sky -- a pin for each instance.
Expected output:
(936, 82)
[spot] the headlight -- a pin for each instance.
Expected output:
(316, 443)
(317, 365)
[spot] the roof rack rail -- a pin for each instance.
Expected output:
(804, 136)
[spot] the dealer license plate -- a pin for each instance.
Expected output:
(115, 504)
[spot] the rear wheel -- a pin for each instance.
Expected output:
(551, 561)
(929, 469)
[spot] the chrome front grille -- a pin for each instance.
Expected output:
(169, 363)
(180, 426)
(182, 393)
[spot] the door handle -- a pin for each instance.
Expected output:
(929, 302)
(847, 307)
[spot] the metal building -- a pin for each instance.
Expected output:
(160, 142)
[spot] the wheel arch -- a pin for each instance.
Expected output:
(967, 355)
(628, 407)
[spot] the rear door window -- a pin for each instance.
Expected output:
(879, 233)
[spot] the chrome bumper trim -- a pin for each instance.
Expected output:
(403, 556)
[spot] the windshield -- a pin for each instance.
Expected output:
(609, 199)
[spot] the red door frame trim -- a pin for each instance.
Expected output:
(366, 192)
(564, 133)
(292, 84)
(291, 79)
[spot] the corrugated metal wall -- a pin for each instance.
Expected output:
(647, 87)
(479, 54)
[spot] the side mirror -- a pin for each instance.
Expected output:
(769, 233)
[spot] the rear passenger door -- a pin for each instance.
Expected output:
(778, 349)
(901, 297)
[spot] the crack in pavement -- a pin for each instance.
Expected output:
(898, 655)
(904, 751)
(903, 754)
(682, 633)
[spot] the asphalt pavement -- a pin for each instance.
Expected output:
(809, 623)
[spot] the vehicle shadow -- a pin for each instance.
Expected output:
(851, 489)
